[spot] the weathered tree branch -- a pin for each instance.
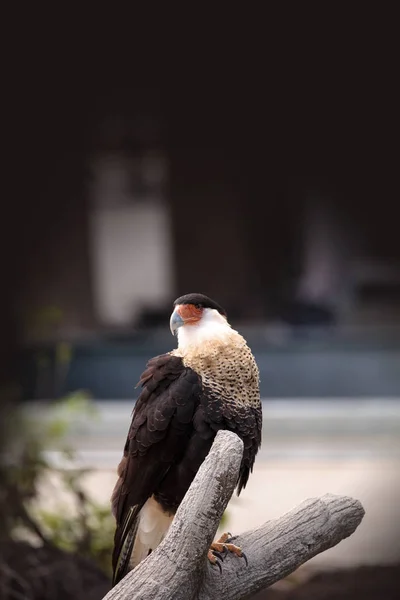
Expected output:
(178, 568)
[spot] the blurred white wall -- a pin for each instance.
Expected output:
(327, 250)
(131, 246)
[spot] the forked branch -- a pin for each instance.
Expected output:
(179, 570)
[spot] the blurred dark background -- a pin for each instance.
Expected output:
(251, 158)
(263, 176)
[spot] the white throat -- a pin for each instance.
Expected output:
(212, 327)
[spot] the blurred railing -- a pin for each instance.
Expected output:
(301, 362)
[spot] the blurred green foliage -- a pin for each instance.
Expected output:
(89, 534)
(87, 529)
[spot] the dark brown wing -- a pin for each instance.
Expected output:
(160, 429)
(212, 414)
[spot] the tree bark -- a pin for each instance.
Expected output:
(178, 568)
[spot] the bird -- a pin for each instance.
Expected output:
(210, 382)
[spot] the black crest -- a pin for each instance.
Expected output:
(201, 300)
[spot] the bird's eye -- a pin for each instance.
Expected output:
(198, 306)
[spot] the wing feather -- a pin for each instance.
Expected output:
(159, 432)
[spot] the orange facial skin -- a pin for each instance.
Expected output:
(190, 313)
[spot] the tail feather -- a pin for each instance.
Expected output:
(123, 544)
(143, 530)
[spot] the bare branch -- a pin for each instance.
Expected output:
(178, 568)
(280, 546)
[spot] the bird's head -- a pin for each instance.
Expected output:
(195, 317)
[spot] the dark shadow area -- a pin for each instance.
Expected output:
(367, 583)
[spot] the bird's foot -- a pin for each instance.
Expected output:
(221, 547)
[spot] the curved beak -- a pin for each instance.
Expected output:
(175, 321)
